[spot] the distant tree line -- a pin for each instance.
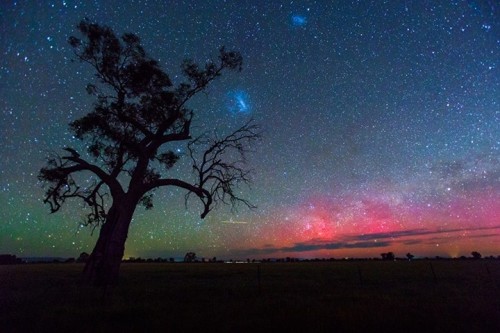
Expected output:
(9, 259)
(190, 257)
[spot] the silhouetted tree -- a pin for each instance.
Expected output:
(137, 113)
(388, 256)
(190, 257)
(410, 256)
(476, 255)
(84, 256)
(9, 259)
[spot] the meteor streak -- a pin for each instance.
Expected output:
(234, 222)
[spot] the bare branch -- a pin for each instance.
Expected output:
(201, 193)
(221, 168)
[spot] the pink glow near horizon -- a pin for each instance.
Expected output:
(346, 226)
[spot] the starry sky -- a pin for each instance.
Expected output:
(380, 119)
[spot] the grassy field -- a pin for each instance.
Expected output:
(340, 296)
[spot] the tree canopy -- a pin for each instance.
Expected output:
(137, 112)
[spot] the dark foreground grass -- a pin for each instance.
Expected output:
(368, 296)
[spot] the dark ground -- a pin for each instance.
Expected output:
(340, 296)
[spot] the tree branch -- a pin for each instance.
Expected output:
(110, 181)
(218, 176)
(203, 194)
(62, 186)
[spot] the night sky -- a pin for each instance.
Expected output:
(381, 124)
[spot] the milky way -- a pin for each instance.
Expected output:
(381, 125)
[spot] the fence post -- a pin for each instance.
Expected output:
(360, 275)
(433, 273)
(258, 278)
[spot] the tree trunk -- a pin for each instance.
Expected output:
(103, 265)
